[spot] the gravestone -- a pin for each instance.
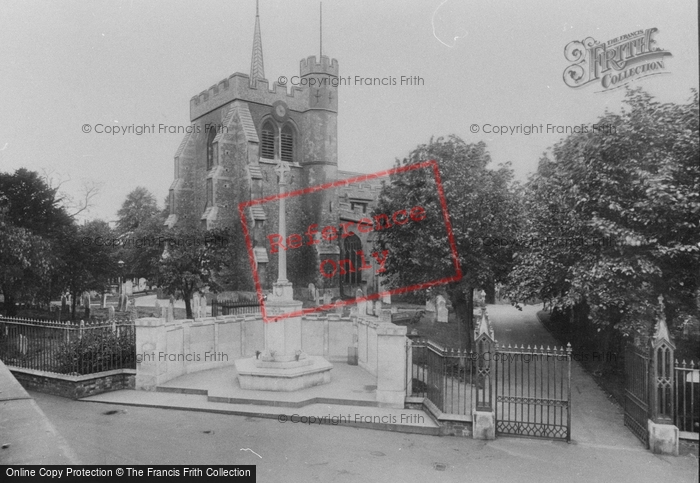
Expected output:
(110, 312)
(129, 287)
(23, 344)
(312, 292)
(386, 298)
(170, 314)
(327, 297)
(104, 301)
(361, 304)
(441, 309)
(195, 306)
(132, 308)
(430, 305)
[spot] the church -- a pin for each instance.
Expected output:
(241, 131)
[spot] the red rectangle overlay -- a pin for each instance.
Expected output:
(410, 214)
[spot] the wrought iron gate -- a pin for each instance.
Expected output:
(637, 392)
(533, 392)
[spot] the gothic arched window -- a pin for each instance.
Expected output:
(267, 142)
(351, 248)
(287, 144)
(210, 148)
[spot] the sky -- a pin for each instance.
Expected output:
(481, 63)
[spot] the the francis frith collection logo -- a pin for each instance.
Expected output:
(614, 63)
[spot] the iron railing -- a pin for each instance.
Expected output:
(533, 392)
(67, 347)
(234, 306)
(687, 392)
(443, 376)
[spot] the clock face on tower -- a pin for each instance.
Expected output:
(280, 111)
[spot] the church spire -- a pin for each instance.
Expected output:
(257, 69)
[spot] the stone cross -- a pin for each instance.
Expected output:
(282, 171)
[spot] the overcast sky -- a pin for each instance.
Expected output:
(70, 63)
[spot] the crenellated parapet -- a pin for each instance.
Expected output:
(326, 66)
(237, 86)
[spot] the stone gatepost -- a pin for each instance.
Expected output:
(663, 434)
(483, 415)
(150, 341)
(391, 364)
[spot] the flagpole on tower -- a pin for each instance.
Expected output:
(320, 31)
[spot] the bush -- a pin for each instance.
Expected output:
(97, 351)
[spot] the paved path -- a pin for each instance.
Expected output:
(596, 419)
(114, 434)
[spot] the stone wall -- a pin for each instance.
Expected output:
(382, 351)
(75, 387)
(166, 350)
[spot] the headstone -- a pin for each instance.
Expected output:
(386, 298)
(195, 306)
(441, 309)
(23, 344)
(134, 311)
(129, 287)
(430, 305)
(361, 304)
(104, 301)
(312, 292)
(110, 312)
(171, 315)
(327, 297)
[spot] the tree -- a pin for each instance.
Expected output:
(615, 213)
(24, 261)
(483, 209)
(87, 263)
(189, 262)
(33, 227)
(139, 206)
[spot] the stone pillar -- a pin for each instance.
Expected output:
(663, 434)
(150, 341)
(391, 365)
(483, 415)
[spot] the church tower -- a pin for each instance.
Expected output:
(241, 128)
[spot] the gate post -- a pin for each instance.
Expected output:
(663, 434)
(483, 415)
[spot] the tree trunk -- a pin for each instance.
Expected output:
(10, 307)
(187, 295)
(461, 308)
